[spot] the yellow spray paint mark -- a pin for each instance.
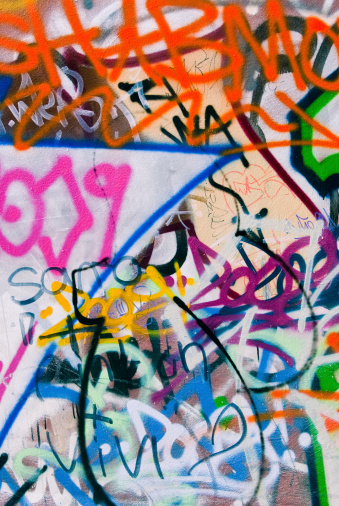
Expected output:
(56, 285)
(180, 282)
(15, 5)
(45, 313)
(128, 319)
(157, 278)
(45, 338)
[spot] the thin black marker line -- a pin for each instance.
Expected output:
(25, 487)
(257, 241)
(216, 341)
(99, 494)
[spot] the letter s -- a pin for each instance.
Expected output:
(13, 283)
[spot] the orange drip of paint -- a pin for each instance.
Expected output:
(333, 340)
(286, 413)
(326, 396)
(279, 394)
(331, 425)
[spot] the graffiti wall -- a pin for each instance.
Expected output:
(169, 323)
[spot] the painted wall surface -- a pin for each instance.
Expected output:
(169, 324)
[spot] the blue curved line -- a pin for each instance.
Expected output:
(22, 401)
(185, 190)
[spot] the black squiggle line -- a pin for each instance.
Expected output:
(25, 487)
(256, 241)
(99, 494)
(216, 341)
(240, 440)
(230, 192)
(58, 459)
